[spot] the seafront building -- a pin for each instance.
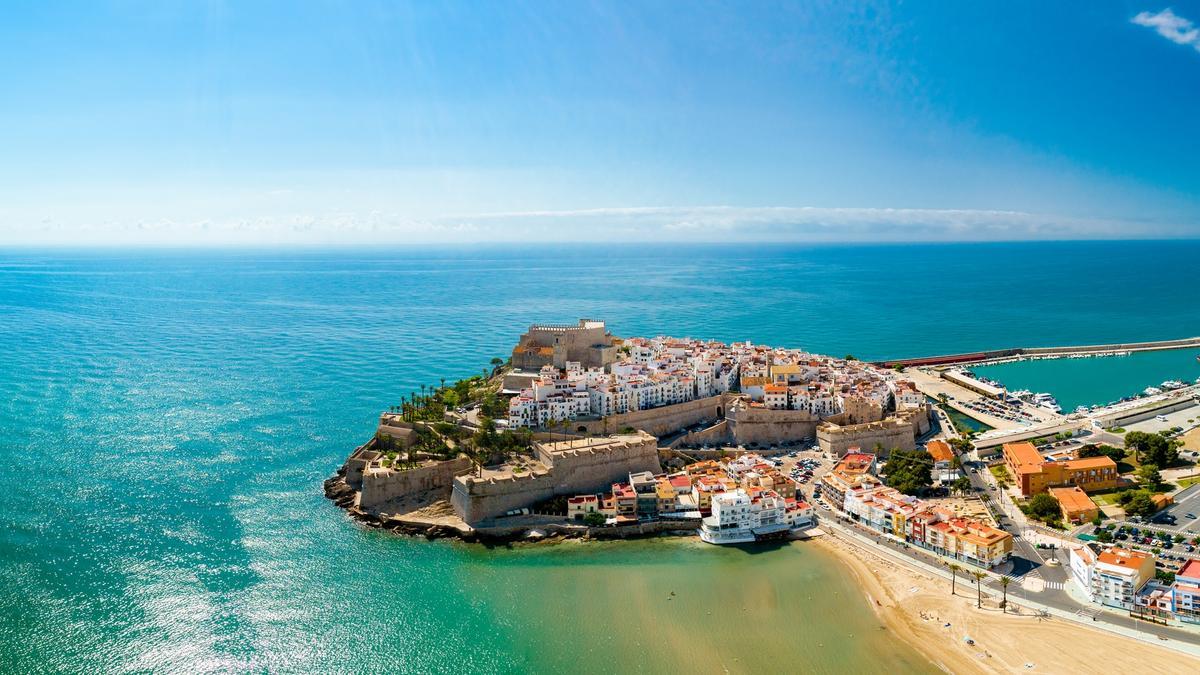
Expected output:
(741, 516)
(944, 468)
(702, 490)
(853, 489)
(1034, 474)
(1111, 577)
(1125, 579)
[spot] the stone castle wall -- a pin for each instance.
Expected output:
(894, 432)
(717, 434)
(575, 472)
(380, 486)
(660, 421)
(766, 427)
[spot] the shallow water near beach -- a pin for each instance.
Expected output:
(166, 419)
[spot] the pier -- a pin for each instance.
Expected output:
(1042, 352)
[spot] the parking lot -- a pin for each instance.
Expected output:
(1179, 418)
(1185, 510)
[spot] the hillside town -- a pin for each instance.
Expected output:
(653, 372)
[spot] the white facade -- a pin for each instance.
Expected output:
(738, 518)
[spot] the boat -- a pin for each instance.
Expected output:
(1151, 391)
(1172, 384)
(1047, 401)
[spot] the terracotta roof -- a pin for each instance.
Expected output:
(1190, 570)
(1024, 455)
(1073, 499)
(939, 450)
(1123, 557)
(1089, 463)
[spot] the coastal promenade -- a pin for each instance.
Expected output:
(1048, 602)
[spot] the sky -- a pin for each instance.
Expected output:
(390, 123)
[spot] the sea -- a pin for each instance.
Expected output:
(167, 418)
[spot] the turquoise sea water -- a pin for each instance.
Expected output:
(166, 420)
(1099, 380)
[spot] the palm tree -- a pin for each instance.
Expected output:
(979, 577)
(1004, 582)
(954, 568)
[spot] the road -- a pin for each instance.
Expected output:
(1051, 581)
(1186, 510)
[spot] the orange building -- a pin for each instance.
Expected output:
(939, 450)
(1076, 506)
(1034, 475)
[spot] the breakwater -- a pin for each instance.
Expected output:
(1042, 352)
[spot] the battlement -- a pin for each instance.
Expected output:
(571, 467)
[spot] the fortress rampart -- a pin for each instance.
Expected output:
(380, 485)
(751, 424)
(660, 421)
(578, 466)
(894, 432)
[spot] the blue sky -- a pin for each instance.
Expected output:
(353, 122)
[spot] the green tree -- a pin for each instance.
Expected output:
(961, 445)
(1044, 507)
(594, 519)
(909, 471)
(1150, 476)
(953, 576)
(1093, 450)
(961, 485)
(1140, 505)
(1004, 582)
(979, 577)
(1152, 448)
(1104, 536)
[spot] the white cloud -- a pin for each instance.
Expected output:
(615, 224)
(1171, 26)
(804, 223)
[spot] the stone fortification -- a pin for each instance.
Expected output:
(661, 421)
(753, 424)
(569, 467)
(587, 342)
(900, 431)
(383, 485)
(358, 461)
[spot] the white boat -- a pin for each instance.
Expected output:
(1151, 391)
(1172, 384)
(1047, 401)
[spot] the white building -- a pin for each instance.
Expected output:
(739, 518)
(1112, 577)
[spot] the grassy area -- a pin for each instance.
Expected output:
(1106, 498)
(1001, 473)
(1188, 481)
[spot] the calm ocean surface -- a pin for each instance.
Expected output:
(166, 420)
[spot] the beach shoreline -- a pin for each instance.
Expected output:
(916, 607)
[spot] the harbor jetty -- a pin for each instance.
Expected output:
(993, 355)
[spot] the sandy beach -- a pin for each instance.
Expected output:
(917, 607)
